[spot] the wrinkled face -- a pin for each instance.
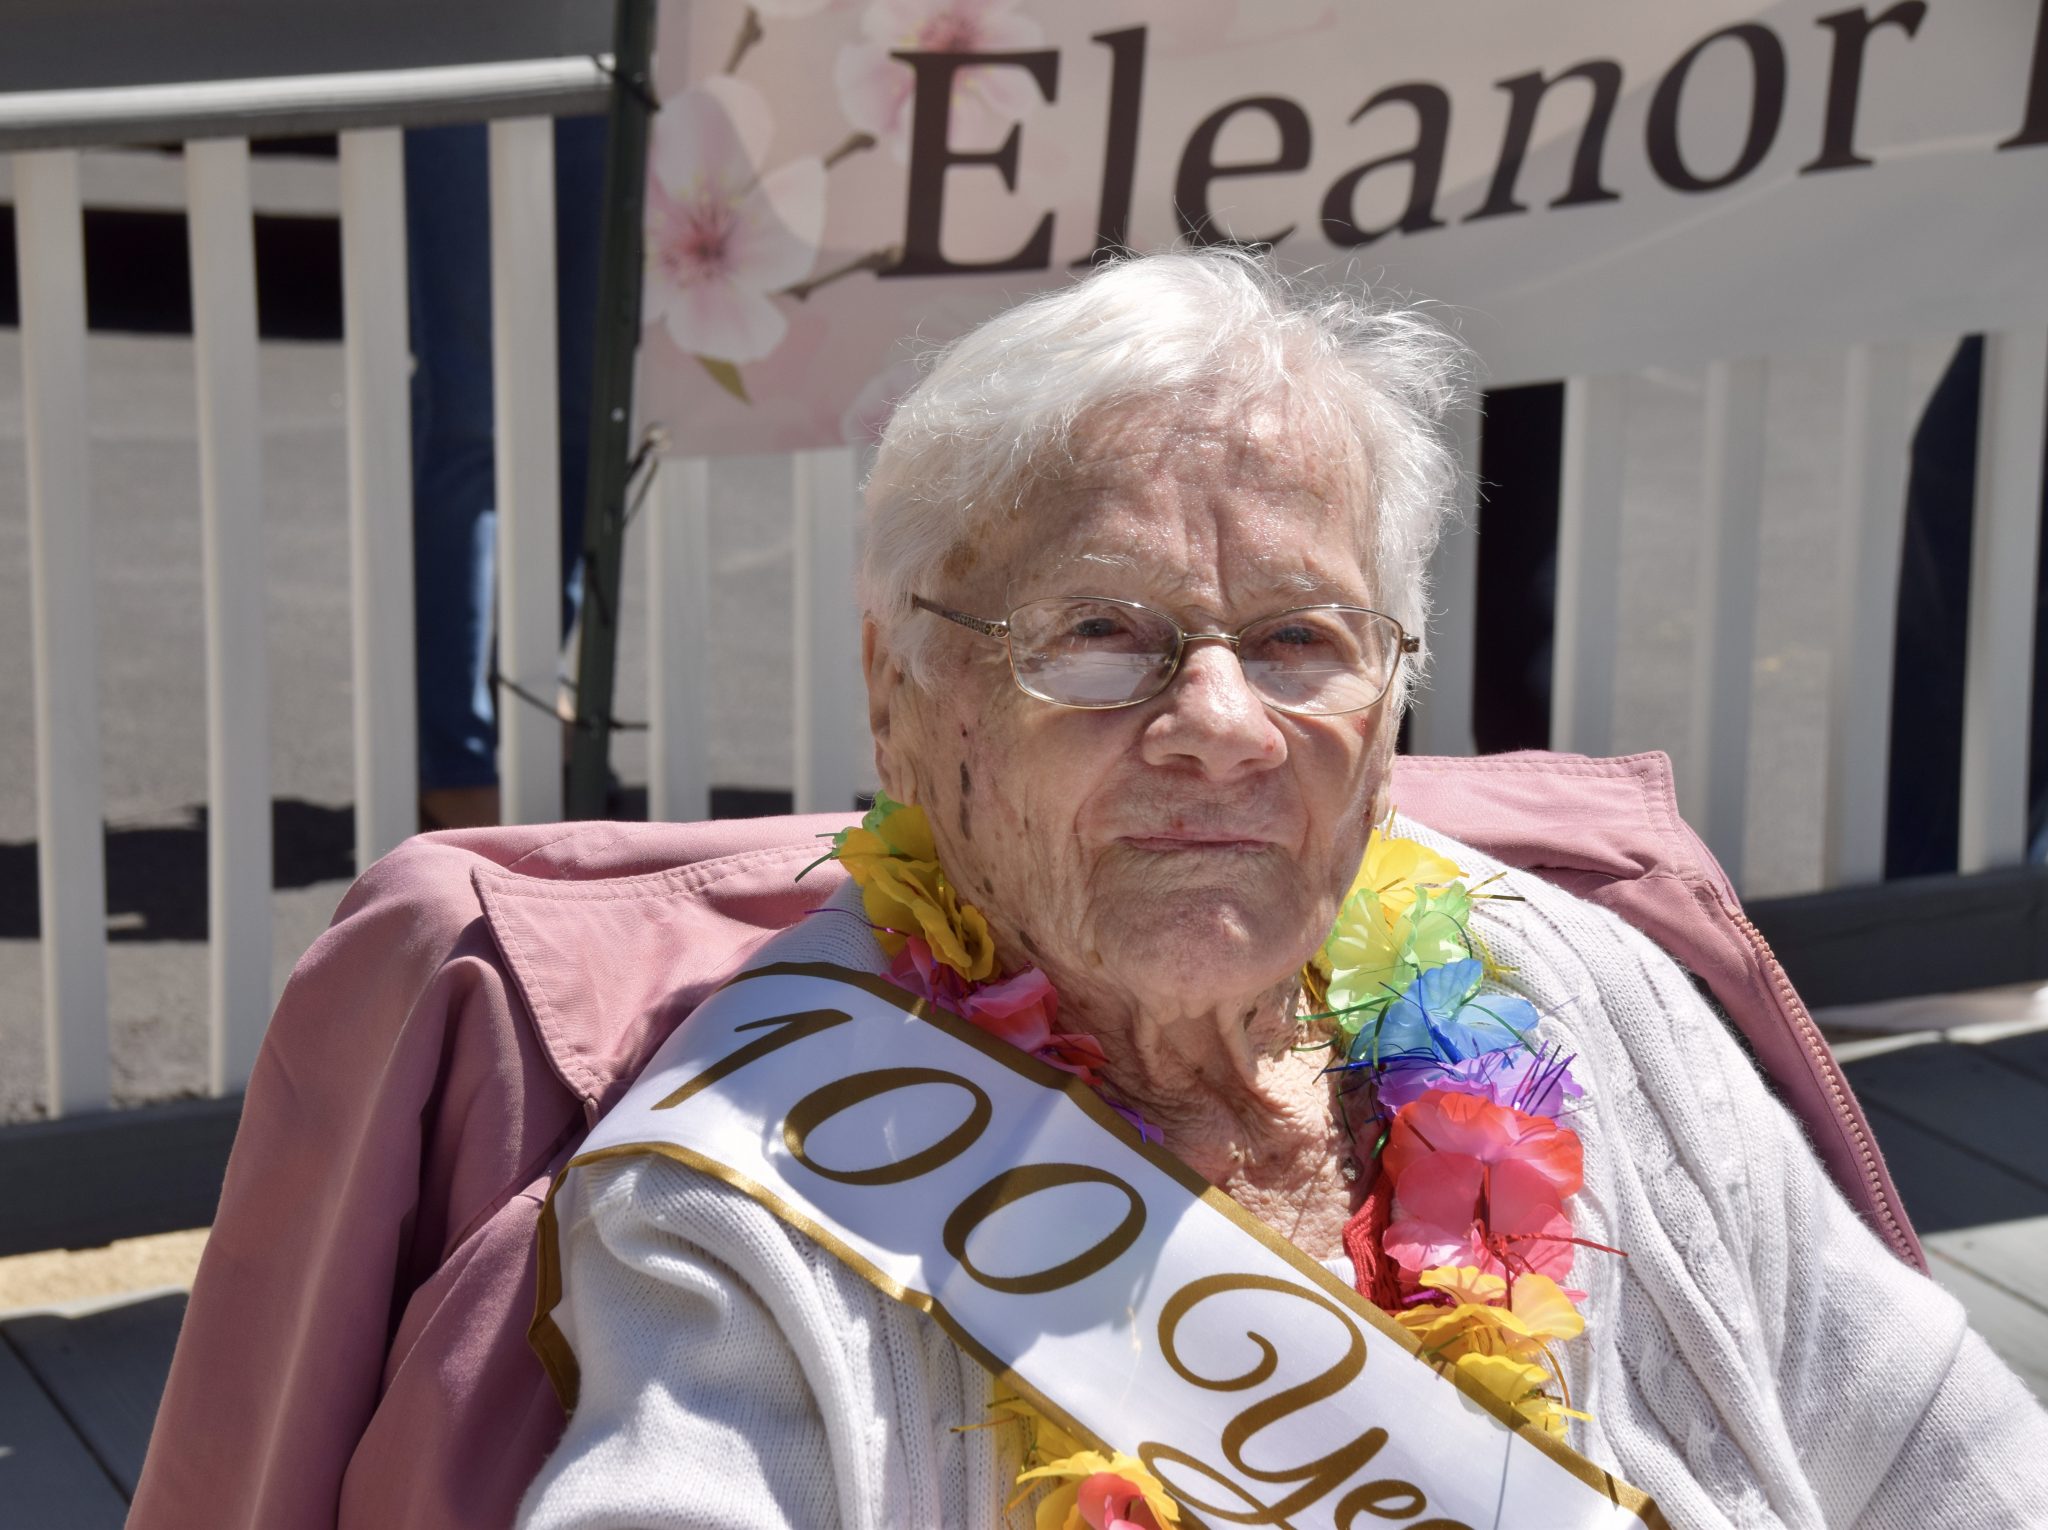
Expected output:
(1192, 846)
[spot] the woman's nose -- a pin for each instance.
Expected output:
(1210, 716)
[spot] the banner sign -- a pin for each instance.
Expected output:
(1095, 1275)
(835, 184)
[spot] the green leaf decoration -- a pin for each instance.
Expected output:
(726, 375)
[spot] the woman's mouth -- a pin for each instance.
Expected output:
(1211, 844)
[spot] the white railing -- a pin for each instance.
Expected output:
(1997, 688)
(45, 132)
(831, 758)
(1715, 757)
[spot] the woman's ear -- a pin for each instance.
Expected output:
(885, 683)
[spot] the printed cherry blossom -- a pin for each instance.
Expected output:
(751, 31)
(722, 236)
(875, 90)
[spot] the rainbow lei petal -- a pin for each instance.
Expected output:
(1467, 1109)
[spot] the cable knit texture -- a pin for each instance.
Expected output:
(1757, 1359)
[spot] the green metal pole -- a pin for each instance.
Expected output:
(611, 405)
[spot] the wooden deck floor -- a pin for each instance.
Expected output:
(1962, 1118)
(78, 1392)
(1963, 1122)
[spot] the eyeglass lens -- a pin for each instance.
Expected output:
(1083, 652)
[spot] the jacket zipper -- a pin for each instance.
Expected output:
(1894, 1225)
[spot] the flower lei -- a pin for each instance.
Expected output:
(1463, 1236)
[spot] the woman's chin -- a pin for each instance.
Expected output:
(1211, 948)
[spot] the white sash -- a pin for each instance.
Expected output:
(1101, 1278)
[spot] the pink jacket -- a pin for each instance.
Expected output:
(355, 1350)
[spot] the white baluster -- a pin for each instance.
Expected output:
(529, 501)
(1866, 613)
(238, 856)
(71, 859)
(678, 622)
(1443, 717)
(1588, 566)
(1998, 680)
(1715, 791)
(832, 743)
(377, 355)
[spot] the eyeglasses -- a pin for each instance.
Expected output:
(1096, 653)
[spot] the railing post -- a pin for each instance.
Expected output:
(1443, 713)
(620, 271)
(377, 354)
(527, 427)
(71, 845)
(831, 695)
(1716, 789)
(1588, 566)
(231, 517)
(678, 602)
(2004, 569)
(1873, 513)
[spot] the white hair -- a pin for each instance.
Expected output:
(1369, 383)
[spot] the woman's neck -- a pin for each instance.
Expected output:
(1239, 1093)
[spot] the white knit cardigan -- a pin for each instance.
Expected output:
(1757, 1359)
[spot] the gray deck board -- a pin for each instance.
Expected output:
(1971, 1100)
(48, 1479)
(105, 1369)
(2027, 1053)
(2009, 1254)
(2017, 1330)
(1944, 1184)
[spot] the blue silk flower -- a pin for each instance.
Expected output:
(1442, 1014)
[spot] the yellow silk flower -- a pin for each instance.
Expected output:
(1394, 868)
(1405, 913)
(1497, 1348)
(893, 859)
(1053, 1455)
(1536, 1312)
(1521, 1386)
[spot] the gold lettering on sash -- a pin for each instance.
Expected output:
(789, 1028)
(1386, 1498)
(828, 1100)
(1013, 1185)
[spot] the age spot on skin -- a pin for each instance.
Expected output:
(966, 791)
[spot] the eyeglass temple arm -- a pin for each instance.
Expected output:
(1411, 645)
(980, 624)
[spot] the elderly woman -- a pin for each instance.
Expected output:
(1144, 586)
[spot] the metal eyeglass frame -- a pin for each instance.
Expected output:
(1182, 638)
